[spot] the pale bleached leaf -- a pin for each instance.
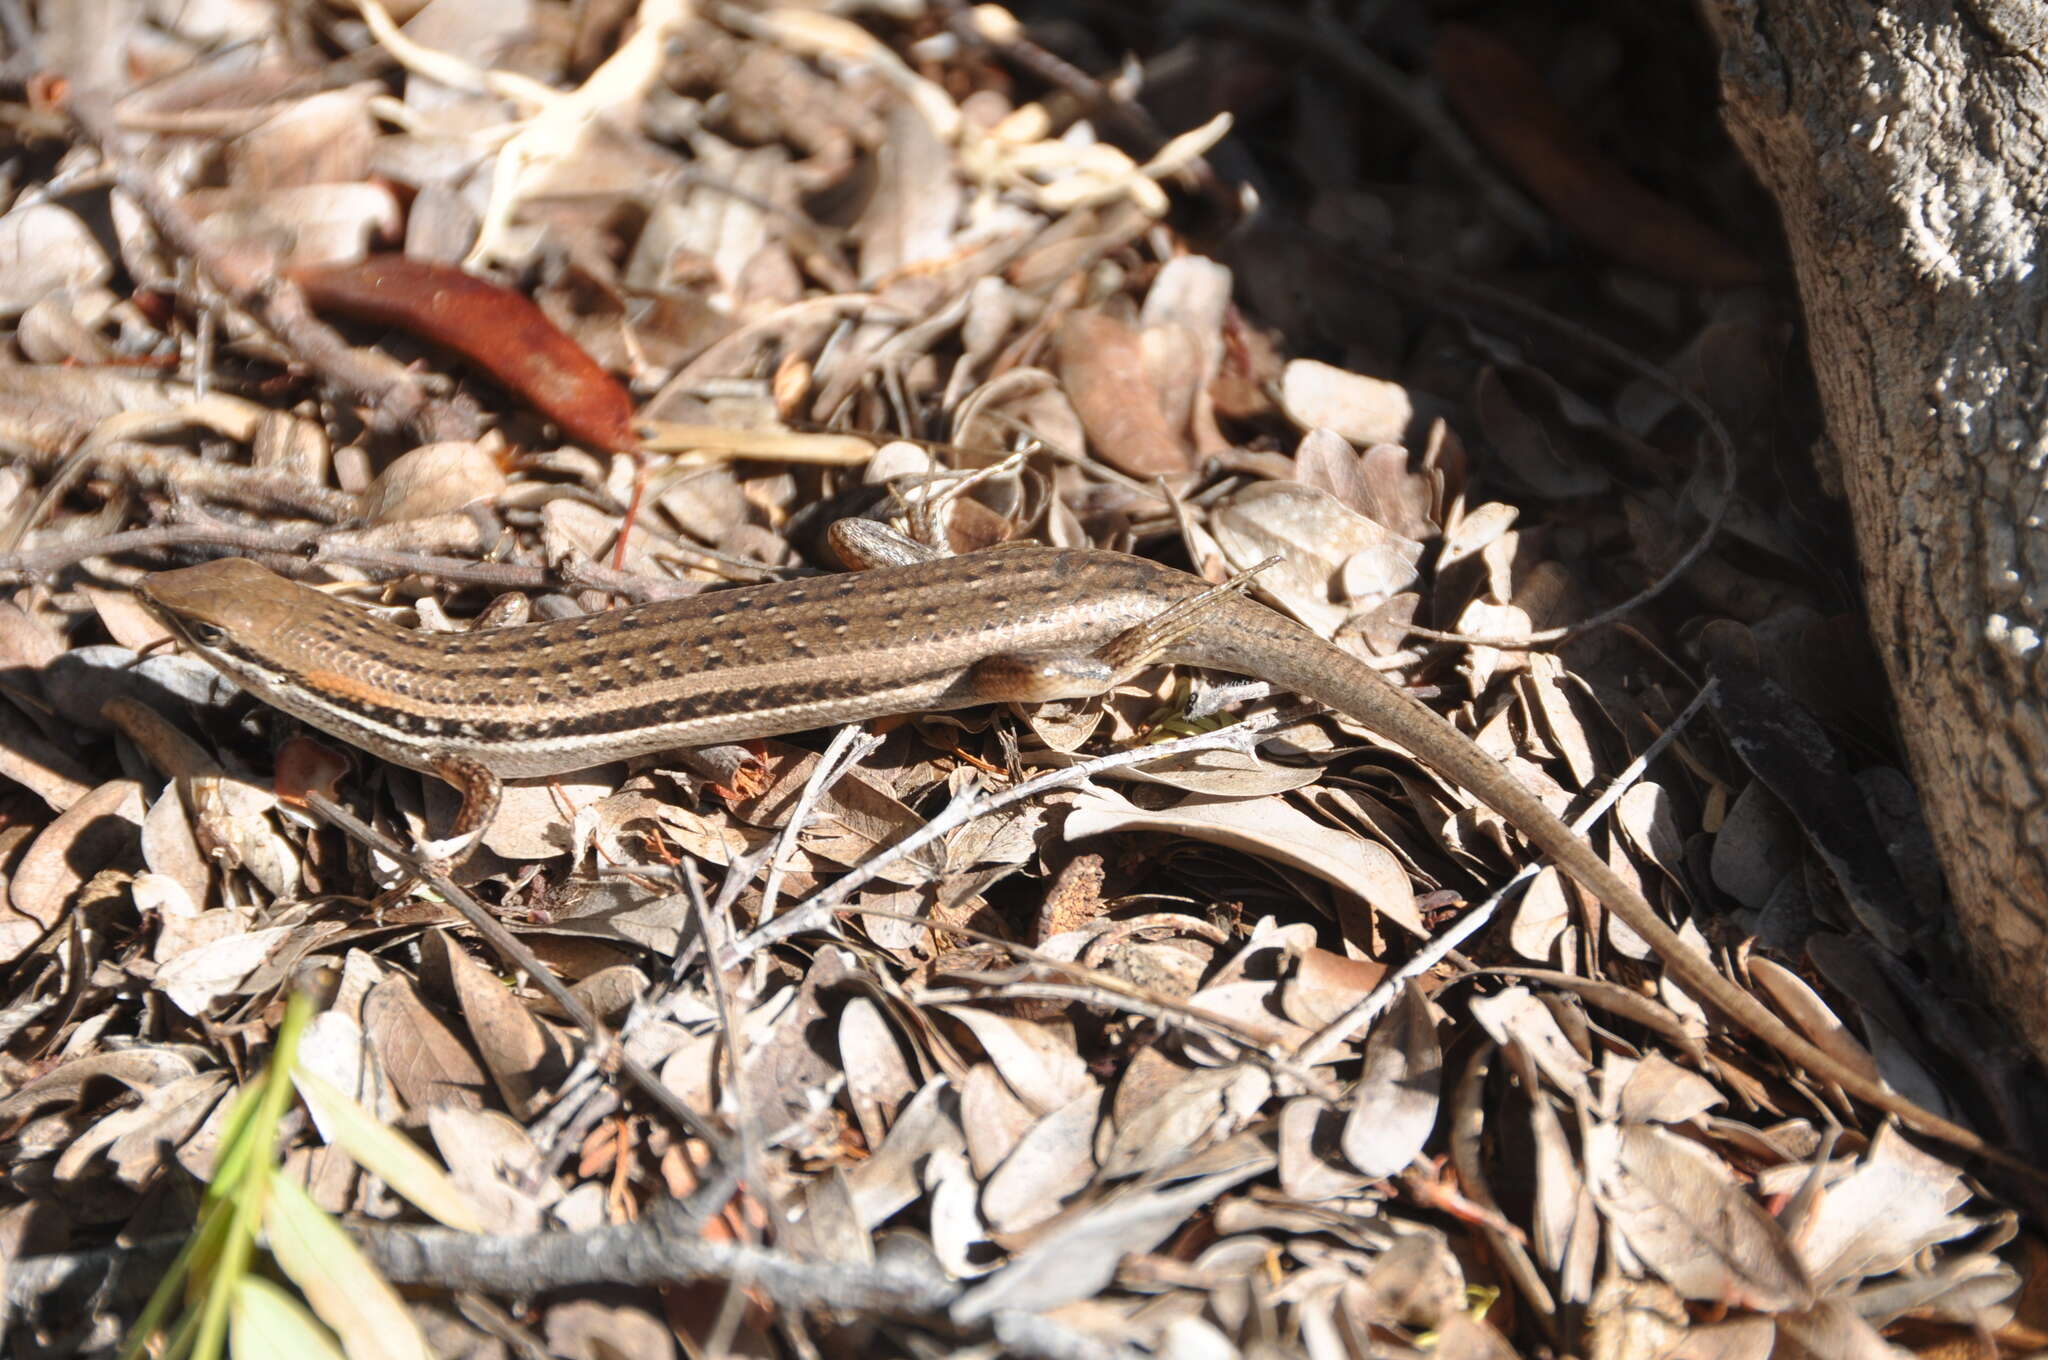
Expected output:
(1394, 1104)
(959, 1239)
(1308, 1134)
(1172, 1119)
(1659, 1091)
(991, 1116)
(1895, 1204)
(1688, 1221)
(1053, 1159)
(1324, 546)
(1812, 1016)
(1517, 1015)
(1081, 1255)
(878, 1077)
(1364, 410)
(886, 1182)
(199, 977)
(1038, 1063)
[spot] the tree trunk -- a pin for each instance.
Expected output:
(1907, 148)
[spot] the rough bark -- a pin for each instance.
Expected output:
(1907, 148)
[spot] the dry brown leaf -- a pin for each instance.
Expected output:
(434, 479)
(419, 1049)
(97, 830)
(1176, 1118)
(524, 1056)
(1037, 1062)
(1101, 364)
(1081, 1254)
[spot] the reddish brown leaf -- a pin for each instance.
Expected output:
(1505, 104)
(1101, 363)
(498, 330)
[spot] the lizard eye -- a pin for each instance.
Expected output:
(207, 634)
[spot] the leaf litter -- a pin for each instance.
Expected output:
(476, 313)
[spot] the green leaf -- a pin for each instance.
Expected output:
(265, 1322)
(338, 1281)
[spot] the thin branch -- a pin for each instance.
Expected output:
(390, 393)
(515, 953)
(312, 545)
(969, 807)
(644, 1253)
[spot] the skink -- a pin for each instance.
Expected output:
(1010, 624)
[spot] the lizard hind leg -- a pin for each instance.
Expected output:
(1037, 677)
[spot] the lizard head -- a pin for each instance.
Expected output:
(216, 602)
(256, 627)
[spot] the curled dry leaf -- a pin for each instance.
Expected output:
(1321, 543)
(959, 1237)
(134, 1138)
(1271, 828)
(32, 762)
(433, 479)
(524, 1055)
(497, 1176)
(324, 138)
(97, 830)
(499, 330)
(1326, 984)
(1898, 1202)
